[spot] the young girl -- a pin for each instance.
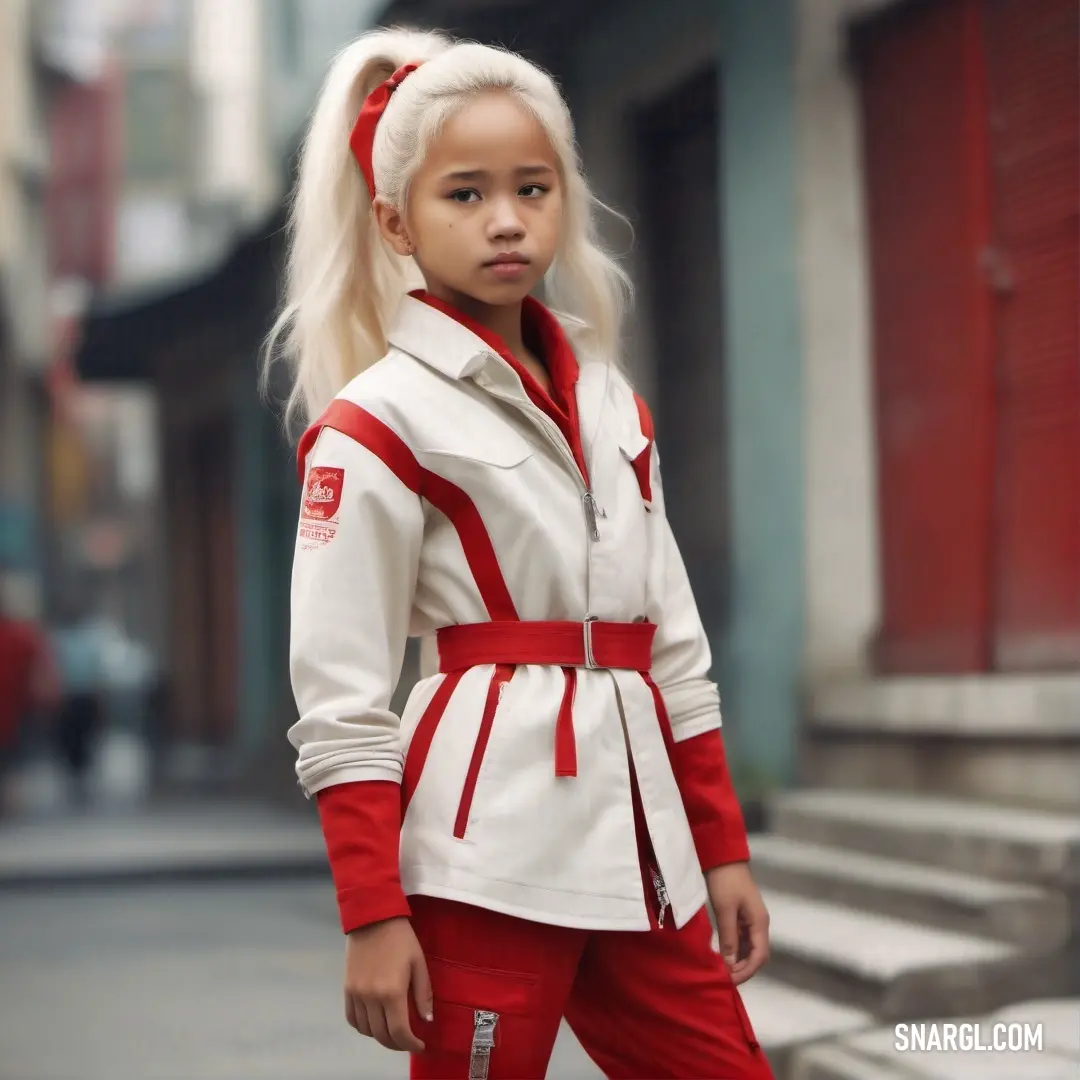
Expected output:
(538, 834)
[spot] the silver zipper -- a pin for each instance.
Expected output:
(592, 508)
(482, 1044)
(661, 896)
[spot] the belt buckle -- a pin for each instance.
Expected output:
(590, 659)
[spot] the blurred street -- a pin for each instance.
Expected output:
(226, 967)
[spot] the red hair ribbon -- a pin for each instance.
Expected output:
(363, 134)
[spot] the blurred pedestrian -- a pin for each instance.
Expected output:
(78, 646)
(29, 688)
(541, 832)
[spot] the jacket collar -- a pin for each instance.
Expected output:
(452, 343)
(438, 340)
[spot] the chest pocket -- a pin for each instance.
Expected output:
(499, 449)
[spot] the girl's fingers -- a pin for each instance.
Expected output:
(727, 928)
(400, 1030)
(356, 1014)
(758, 933)
(421, 989)
(376, 1019)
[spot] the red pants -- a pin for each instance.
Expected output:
(645, 1004)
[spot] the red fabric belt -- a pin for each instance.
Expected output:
(569, 645)
(589, 644)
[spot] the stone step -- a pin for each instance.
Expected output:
(785, 1017)
(935, 1053)
(1005, 911)
(999, 738)
(831, 1062)
(1030, 846)
(896, 969)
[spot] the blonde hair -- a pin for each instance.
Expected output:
(343, 282)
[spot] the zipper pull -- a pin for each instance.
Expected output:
(661, 897)
(482, 1044)
(592, 512)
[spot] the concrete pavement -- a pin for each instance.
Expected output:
(191, 981)
(191, 840)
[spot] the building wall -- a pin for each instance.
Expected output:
(843, 601)
(842, 497)
(228, 78)
(24, 342)
(758, 656)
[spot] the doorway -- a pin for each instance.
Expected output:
(678, 141)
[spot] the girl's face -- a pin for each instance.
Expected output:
(485, 208)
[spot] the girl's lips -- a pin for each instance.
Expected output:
(507, 269)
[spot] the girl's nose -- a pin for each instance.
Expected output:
(505, 222)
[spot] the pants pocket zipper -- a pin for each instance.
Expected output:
(483, 1043)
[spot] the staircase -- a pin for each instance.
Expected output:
(889, 906)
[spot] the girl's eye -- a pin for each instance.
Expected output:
(532, 191)
(464, 195)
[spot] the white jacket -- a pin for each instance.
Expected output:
(448, 423)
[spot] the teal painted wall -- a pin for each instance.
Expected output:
(759, 662)
(757, 658)
(267, 498)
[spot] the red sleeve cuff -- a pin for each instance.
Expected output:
(362, 907)
(361, 822)
(712, 807)
(717, 847)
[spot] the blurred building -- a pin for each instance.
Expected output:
(57, 149)
(220, 93)
(24, 346)
(939, 252)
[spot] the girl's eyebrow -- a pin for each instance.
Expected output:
(482, 174)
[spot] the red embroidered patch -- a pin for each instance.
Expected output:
(322, 493)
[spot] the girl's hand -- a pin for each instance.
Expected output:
(742, 922)
(382, 963)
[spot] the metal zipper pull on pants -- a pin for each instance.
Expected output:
(483, 1043)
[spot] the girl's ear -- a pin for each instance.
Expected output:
(391, 224)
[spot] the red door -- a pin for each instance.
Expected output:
(1032, 49)
(969, 128)
(925, 161)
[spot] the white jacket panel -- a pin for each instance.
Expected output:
(392, 562)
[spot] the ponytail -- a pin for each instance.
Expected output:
(342, 281)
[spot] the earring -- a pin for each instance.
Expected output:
(410, 247)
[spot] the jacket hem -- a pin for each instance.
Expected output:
(573, 910)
